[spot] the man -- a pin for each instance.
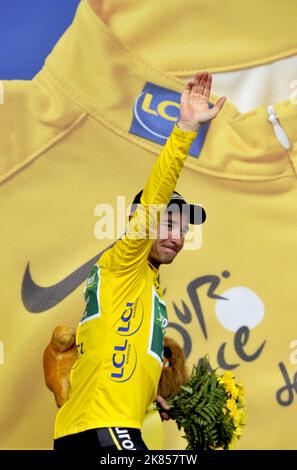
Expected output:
(120, 336)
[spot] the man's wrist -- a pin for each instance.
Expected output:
(188, 126)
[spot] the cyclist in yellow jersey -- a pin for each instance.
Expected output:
(120, 335)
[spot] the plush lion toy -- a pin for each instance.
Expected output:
(174, 372)
(61, 354)
(58, 358)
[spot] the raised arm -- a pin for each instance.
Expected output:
(129, 252)
(194, 108)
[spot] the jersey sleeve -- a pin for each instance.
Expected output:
(131, 251)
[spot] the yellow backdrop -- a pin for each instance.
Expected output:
(88, 129)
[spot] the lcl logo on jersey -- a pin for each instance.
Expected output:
(123, 361)
(131, 319)
(155, 112)
(124, 357)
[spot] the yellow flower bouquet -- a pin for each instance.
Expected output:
(210, 408)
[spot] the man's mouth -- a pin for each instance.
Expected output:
(170, 250)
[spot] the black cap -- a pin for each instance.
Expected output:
(197, 214)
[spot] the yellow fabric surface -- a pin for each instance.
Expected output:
(152, 430)
(181, 37)
(66, 147)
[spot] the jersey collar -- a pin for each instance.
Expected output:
(104, 77)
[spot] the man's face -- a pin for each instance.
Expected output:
(170, 238)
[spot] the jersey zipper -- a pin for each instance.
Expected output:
(279, 131)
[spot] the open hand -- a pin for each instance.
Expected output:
(194, 108)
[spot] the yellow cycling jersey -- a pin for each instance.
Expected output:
(120, 336)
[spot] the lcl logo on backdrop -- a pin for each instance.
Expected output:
(155, 112)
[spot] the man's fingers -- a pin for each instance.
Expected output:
(164, 416)
(217, 107)
(196, 83)
(220, 103)
(163, 403)
(201, 83)
(197, 76)
(195, 86)
(188, 87)
(207, 85)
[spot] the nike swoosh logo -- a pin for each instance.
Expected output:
(38, 299)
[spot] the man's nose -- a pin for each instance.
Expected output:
(177, 238)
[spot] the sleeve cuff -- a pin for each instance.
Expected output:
(186, 134)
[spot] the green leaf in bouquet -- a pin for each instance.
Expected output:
(187, 389)
(200, 409)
